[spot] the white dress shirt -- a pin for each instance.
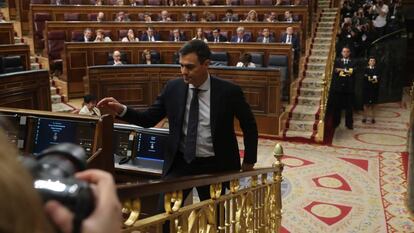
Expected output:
(85, 111)
(204, 146)
(288, 39)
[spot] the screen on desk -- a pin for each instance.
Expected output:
(48, 132)
(151, 144)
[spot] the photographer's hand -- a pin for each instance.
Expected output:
(106, 218)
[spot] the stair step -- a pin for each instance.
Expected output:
(53, 90)
(311, 92)
(56, 99)
(301, 134)
(305, 109)
(315, 74)
(320, 68)
(61, 107)
(35, 66)
(316, 59)
(309, 100)
(300, 125)
(312, 83)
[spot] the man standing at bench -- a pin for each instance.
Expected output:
(200, 110)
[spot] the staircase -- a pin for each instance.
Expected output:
(58, 100)
(302, 115)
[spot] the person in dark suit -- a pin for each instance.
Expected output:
(342, 89)
(265, 37)
(371, 89)
(87, 36)
(216, 36)
(177, 36)
(200, 109)
(150, 35)
(240, 37)
(290, 38)
(230, 17)
(116, 59)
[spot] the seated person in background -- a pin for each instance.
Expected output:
(216, 36)
(189, 3)
(266, 37)
(2, 18)
(100, 17)
(100, 36)
(300, 2)
(164, 16)
(230, 17)
(133, 3)
(122, 17)
(279, 3)
(206, 2)
(288, 17)
(173, 3)
(177, 36)
(241, 37)
(98, 2)
(271, 18)
(87, 36)
(116, 59)
(231, 2)
(148, 58)
(189, 17)
(130, 37)
(17, 193)
(119, 3)
(150, 35)
(200, 35)
(251, 16)
(290, 38)
(245, 60)
(147, 18)
(207, 16)
(89, 106)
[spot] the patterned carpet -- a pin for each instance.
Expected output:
(356, 185)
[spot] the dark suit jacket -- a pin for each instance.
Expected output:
(343, 84)
(233, 18)
(221, 38)
(182, 38)
(226, 101)
(246, 38)
(144, 37)
(271, 39)
(295, 41)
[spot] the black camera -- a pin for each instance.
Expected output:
(53, 172)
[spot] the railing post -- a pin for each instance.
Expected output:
(277, 178)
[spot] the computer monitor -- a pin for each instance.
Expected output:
(48, 132)
(151, 144)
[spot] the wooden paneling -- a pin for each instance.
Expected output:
(11, 5)
(83, 55)
(21, 50)
(26, 89)
(6, 33)
(138, 87)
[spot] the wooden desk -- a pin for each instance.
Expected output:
(78, 56)
(22, 50)
(6, 33)
(139, 85)
(26, 89)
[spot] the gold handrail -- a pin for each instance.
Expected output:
(255, 207)
(327, 80)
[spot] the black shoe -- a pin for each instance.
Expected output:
(373, 121)
(364, 120)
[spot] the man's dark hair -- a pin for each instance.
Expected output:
(229, 11)
(89, 98)
(218, 29)
(196, 46)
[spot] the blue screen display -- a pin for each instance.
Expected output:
(151, 146)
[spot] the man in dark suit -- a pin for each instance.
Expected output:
(177, 36)
(241, 37)
(342, 89)
(216, 36)
(290, 38)
(150, 35)
(265, 37)
(230, 17)
(200, 109)
(87, 36)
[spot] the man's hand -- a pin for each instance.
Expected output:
(106, 218)
(112, 105)
(247, 166)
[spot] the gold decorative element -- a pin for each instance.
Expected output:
(132, 208)
(234, 186)
(215, 191)
(174, 198)
(254, 181)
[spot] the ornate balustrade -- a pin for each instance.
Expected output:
(255, 207)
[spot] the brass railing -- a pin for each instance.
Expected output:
(327, 81)
(254, 208)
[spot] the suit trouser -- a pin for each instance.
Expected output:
(181, 168)
(342, 100)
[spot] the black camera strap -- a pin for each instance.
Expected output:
(77, 224)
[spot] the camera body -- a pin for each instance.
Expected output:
(53, 172)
